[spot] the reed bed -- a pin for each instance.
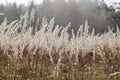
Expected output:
(51, 53)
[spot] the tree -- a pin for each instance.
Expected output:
(32, 13)
(12, 12)
(1, 13)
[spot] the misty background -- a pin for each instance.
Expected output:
(99, 13)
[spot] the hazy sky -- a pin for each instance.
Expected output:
(112, 0)
(20, 1)
(37, 1)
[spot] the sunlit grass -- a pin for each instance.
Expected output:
(55, 54)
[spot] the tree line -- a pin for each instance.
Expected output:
(98, 14)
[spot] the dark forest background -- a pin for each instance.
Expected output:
(76, 12)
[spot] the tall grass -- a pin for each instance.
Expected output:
(54, 54)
